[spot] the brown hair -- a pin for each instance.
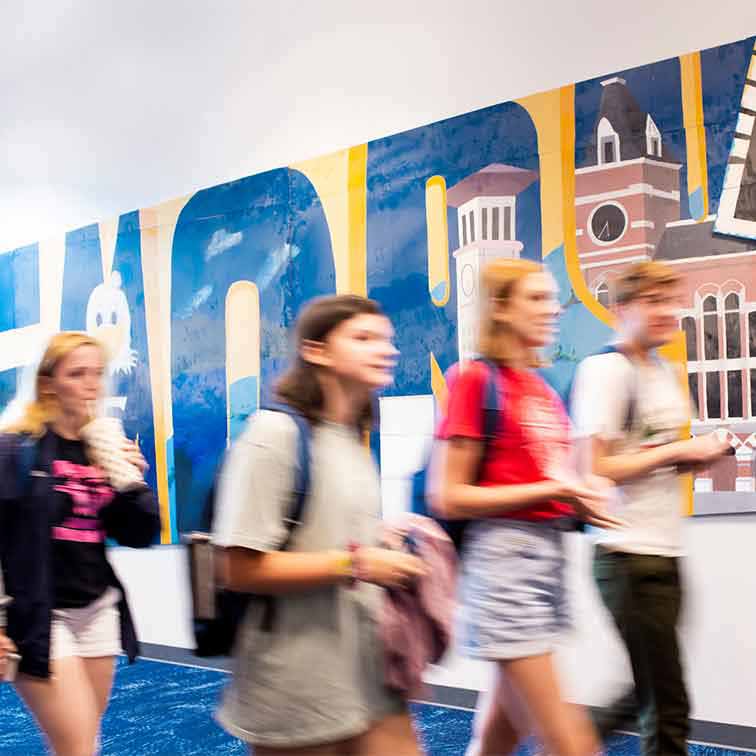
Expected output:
(299, 385)
(44, 408)
(641, 277)
(499, 280)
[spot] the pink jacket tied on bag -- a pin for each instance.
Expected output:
(416, 622)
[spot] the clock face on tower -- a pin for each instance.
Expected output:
(607, 223)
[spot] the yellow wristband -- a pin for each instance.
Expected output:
(344, 564)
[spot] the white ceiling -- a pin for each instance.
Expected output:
(110, 106)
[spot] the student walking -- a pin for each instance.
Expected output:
(521, 494)
(631, 409)
(68, 617)
(309, 674)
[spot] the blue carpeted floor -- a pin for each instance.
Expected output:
(160, 708)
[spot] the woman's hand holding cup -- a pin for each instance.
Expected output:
(133, 455)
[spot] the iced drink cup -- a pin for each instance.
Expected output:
(105, 439)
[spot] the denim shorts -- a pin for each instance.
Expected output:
(513, 601)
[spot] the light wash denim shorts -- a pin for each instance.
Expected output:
(513, 601)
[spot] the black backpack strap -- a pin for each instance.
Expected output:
(301, 485)
(491, 407)
(300, 491)
(491, 400)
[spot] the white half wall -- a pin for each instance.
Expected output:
(406, 436)
(719, 628)
(157, 583)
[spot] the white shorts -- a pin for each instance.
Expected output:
(91, 631)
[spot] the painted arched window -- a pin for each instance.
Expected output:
(693, 389)
(710, 329)
(734, 393)
(608, 143)
(732, 326)
(713, 396)
(653, 138)
(691, 343)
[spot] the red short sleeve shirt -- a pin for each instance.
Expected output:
(532, 439)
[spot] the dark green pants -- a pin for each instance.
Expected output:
(644, 596)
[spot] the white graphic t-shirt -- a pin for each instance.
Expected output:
(652, 505)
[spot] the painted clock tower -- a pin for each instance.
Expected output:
(486, 205)
(627, 194)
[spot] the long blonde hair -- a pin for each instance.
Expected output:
(44, 408)
(496, 341)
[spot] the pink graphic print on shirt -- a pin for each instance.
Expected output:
(90, 492)
(545, 430)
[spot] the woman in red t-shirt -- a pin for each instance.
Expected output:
(521, 493)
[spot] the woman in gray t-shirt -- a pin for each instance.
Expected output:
(316, 680)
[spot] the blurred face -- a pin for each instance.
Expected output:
(532, 310)
(359, 350)
(653, 318)
(77, 380)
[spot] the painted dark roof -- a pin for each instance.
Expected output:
(697, 240)
(624, 113)
(495, 180)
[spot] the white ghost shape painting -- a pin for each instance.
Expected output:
(109, 321)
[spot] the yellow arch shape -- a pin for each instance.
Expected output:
(553, 115)
(340, 179)
(439, 284)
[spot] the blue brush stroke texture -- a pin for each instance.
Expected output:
(279, 217)
(398, 168)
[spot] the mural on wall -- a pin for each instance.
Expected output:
(194, 298)
(245, 257)
(737, 212)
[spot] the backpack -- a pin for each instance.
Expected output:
(217, 613)
(491, 409)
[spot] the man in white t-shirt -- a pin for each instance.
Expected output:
(631, 408)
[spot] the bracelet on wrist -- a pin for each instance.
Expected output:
(344, 563)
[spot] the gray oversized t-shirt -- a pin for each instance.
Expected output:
(318, 676)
